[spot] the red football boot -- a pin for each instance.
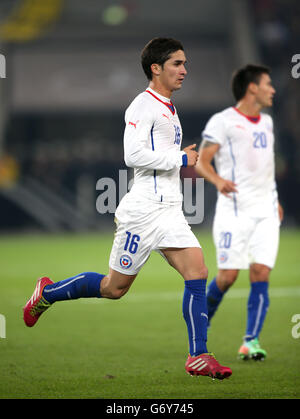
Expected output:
(37, 303)
(207, 365)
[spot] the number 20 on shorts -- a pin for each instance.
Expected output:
(132, 242)
(225, 240)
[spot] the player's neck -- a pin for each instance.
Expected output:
(249, 108)
(160, 89)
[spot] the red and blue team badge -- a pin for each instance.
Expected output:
(125, 261)
(223, 257)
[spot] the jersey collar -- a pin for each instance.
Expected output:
(169, 105)
(253, 119)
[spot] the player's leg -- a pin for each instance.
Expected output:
(263, 249)
(258, 300)
(87, 285)
(189, 262)
(115, 284)
(46, 292)
(257, 307)
(83, 285)
(217, 288)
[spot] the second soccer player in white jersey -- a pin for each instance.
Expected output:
(150, 216)
(240, 139)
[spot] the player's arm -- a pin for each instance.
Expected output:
(204, 168)
(137, 154)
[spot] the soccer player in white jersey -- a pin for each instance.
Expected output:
(150, 216)
(240, 139)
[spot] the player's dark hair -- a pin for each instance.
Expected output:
(158, 51)
(244, 76)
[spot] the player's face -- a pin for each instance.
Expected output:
(265, 91)
(173, 71)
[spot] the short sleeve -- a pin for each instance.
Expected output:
(214, 130)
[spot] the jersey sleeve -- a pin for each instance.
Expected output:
(138, 152)
(214, 130)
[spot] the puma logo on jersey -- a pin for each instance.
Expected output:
(166, 116)
(133, 123)
(240, 126)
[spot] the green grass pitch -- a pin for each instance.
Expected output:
(136, 347)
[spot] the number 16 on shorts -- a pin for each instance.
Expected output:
(131, 246)
(132, 242)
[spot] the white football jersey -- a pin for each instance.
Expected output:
(152, 142)
(245, 156)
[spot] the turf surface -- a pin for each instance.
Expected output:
(136, 347)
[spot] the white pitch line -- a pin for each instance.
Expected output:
(140, 297)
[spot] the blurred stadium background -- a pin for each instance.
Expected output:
(72, 67)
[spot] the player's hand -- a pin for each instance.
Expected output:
(192, 155)
(226, 186)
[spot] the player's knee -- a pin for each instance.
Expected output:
(227, 277)
(203, 273)
(113, 293)
(117, 293)
(259, 273)
(196, 273)
(230, 280)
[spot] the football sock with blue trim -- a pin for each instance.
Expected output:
(258, 303)
(195, 315)
(86, 284)
(214, 297)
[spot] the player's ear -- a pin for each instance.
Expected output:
(156, 69)
(252, 88)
